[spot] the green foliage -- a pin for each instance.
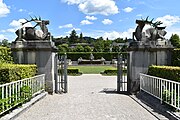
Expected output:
(5, 55)
(23, 94)
(92, 69)
(98, 46)
(79, 48)
(176, 57)
(167, 95)
(175, 40)
(109, 72)
(112, 71)
(74, 56)
(63, 48)
(120, 40)
(167, 72)
(26, 93)
(14, 72)
(87, 49)
(5, 43)
(73, 38)
(73, 71)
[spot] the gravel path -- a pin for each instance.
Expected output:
(87, 101)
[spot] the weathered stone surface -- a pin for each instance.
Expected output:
(41, 53)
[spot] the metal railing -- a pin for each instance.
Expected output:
(166, 90)
(21, 91)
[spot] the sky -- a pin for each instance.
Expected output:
(95, 18)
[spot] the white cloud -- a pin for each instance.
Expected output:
(114, 34)
(76, 29)
(71, 2)
(15, 25)
(107, 21)
(86, 22)
(22, 10)
(4, 10)
(168, 20)
(2, 37)
(171, 31)
(18, 23)
(66, 26)
(128, 9)
(91, 18)
(12, 30)
(92, 7)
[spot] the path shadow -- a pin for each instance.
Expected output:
(112, 91)
(154, 104)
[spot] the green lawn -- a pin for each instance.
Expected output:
(92, 69)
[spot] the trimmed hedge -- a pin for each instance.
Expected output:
(74, 71)
(167, 72)
(109, 72)
(112, 72)
(5, 55)
(176, 57)
(14, 72)
(108, 56)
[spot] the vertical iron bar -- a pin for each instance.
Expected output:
(65, 73)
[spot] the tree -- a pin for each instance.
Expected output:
(5, 43)
(73, 38)
(107, 45)
(63, 48)
(175, 40)
(87, 49)
(119, 40)
(98, 46)
(79, 48)
(81, 39)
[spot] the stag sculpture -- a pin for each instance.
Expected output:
(31, 33)
(152, 34)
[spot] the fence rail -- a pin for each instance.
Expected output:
(166, 90)
(18, 92)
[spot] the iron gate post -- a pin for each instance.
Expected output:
(119, 69)
(65, 73)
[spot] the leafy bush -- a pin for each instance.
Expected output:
(176, 57)
(167, 72)
(109, 72)
(5, 55)
(14, 72)
(113, 71)
(74, 71)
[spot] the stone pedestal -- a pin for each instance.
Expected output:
(141, 56)
(39, 52)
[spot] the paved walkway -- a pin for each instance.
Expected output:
(87, 101)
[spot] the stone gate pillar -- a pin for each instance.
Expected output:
(39, 52)
(142, 55)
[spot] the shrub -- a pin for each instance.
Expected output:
(113, 71)
(5, 55)
(176, 57)
(167, 72)
(109, 72)
(74, 71)
(14, 72)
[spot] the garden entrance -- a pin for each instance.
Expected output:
(120, 69)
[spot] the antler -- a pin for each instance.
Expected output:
(32, 19)
(147, 21)
(157, 23)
